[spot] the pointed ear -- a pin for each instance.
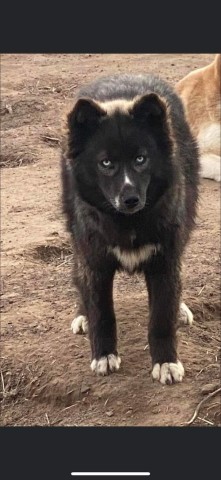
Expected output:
(83, 121)
(152, 112)
(86, 113)
(149, 107)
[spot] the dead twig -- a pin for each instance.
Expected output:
(66, 261)
(50, 139)
(70, 88)
(205, 421)
(48, 422)
(70, 406)
(45, 88)
(205, 368)
(3, 384)
(217, 339)
(201, 290)
(200, 405)
(57, 421)
(212, 406)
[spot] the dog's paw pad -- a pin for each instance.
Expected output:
(79, 325)
(168, 373)
(105, 365)
(185, 316)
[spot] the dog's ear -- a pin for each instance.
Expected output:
(149, 108)
(85, 114)
(83, 121)
(152, 112)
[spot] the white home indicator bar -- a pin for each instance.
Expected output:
(110, 474)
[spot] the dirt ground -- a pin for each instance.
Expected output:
(45, 373)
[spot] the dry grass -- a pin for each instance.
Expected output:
(58, 254)
(200, 404)
(18, 159)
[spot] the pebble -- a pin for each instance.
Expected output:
(210, 387)
(110, 413)
(85, 388)
(155, 411)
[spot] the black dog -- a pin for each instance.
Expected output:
(130, 188)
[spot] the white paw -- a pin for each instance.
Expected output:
(186, 316)
(168, 373)
(79, 325)
(105, 365)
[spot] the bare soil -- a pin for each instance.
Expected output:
(45, 374)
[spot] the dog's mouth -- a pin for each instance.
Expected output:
(129, 209)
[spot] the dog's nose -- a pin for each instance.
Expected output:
(131, 201)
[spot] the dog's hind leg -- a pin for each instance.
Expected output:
(79, 324)
(185, 316)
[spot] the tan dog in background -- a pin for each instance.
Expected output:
(200, 91)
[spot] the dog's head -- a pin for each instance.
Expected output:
(121, 151)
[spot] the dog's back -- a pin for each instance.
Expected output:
(200, 92)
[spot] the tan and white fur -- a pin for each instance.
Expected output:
(200, 92)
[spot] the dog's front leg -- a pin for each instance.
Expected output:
(98, 296)
(164, 288)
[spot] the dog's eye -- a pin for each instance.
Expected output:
(106, 166)
(140, 160)
(106, 163)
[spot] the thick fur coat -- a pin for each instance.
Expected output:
(130, 189)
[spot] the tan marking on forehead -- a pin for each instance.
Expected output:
(119, 104)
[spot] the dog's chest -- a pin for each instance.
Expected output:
(131, 259)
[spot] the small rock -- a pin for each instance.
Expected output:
(85, 388)
(155, 411)
(210, 387)
(79, 355)
(110, 413)
(8, 108)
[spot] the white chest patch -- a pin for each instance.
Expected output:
(130, 259)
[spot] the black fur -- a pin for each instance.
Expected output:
(161, 202)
